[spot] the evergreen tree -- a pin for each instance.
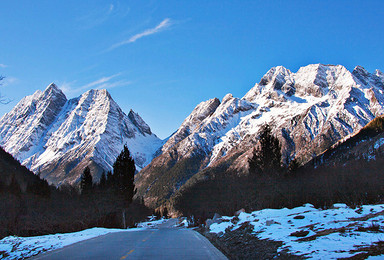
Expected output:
(110, 180)
(293, 166)
(40, 188)
(103, 180)
(14, 186)
(86, 181)
(266, 157)
(124, 173)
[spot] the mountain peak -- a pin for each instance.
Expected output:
(52, 88)
(52, 91)
(103, 92)
(379, 73)
(274, 72)
(277, 73)
(360, 70)
(59, 137)
(227, 97)
(99, 96)
(139, 122)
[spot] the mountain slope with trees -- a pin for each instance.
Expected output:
(354, 181)
(366, 144)
(29, 206)
(308, 111)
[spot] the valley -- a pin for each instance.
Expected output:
(325, 122)
(191, 129)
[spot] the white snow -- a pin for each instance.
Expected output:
(13, 247)
(151, 223)
(184, 223)
(45, 129)
(340, 227)
(306, 104)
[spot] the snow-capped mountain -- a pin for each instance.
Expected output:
(58, 138)
(308, 110)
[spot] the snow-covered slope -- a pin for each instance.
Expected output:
(308, 110)
(335, 233)
(58, 138)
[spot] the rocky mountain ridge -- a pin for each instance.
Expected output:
(308, 111)
(58, 138)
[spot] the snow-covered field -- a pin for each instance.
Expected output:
(314, 233)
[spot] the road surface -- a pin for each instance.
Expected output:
(161, 242)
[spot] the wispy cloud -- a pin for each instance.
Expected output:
(161, 26)
(111, 7)
(99, 16)
(166, 23)
(9, 81)
(108, 82)
(67, 87)
(109, 85)
(96, 83)
(3, 66)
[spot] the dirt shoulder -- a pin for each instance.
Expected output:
(242, 244)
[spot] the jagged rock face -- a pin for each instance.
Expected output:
(58, 138)
(39, 110)
(328, 103)
(308, 111)
(193, 121)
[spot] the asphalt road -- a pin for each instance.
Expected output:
(161, 242)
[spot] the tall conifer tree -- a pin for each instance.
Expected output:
(86, 181)
(124, 173)
(103, 180)
(267, 157)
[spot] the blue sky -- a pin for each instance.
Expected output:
(162, 58)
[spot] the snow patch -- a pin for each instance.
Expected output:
(328, 234)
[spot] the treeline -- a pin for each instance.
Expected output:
(32, 207)
(271, 184)
(38, 187)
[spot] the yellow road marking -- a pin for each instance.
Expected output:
(130, 252)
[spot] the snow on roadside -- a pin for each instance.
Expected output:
(151, 223)
(14, 247)
(311, 232)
